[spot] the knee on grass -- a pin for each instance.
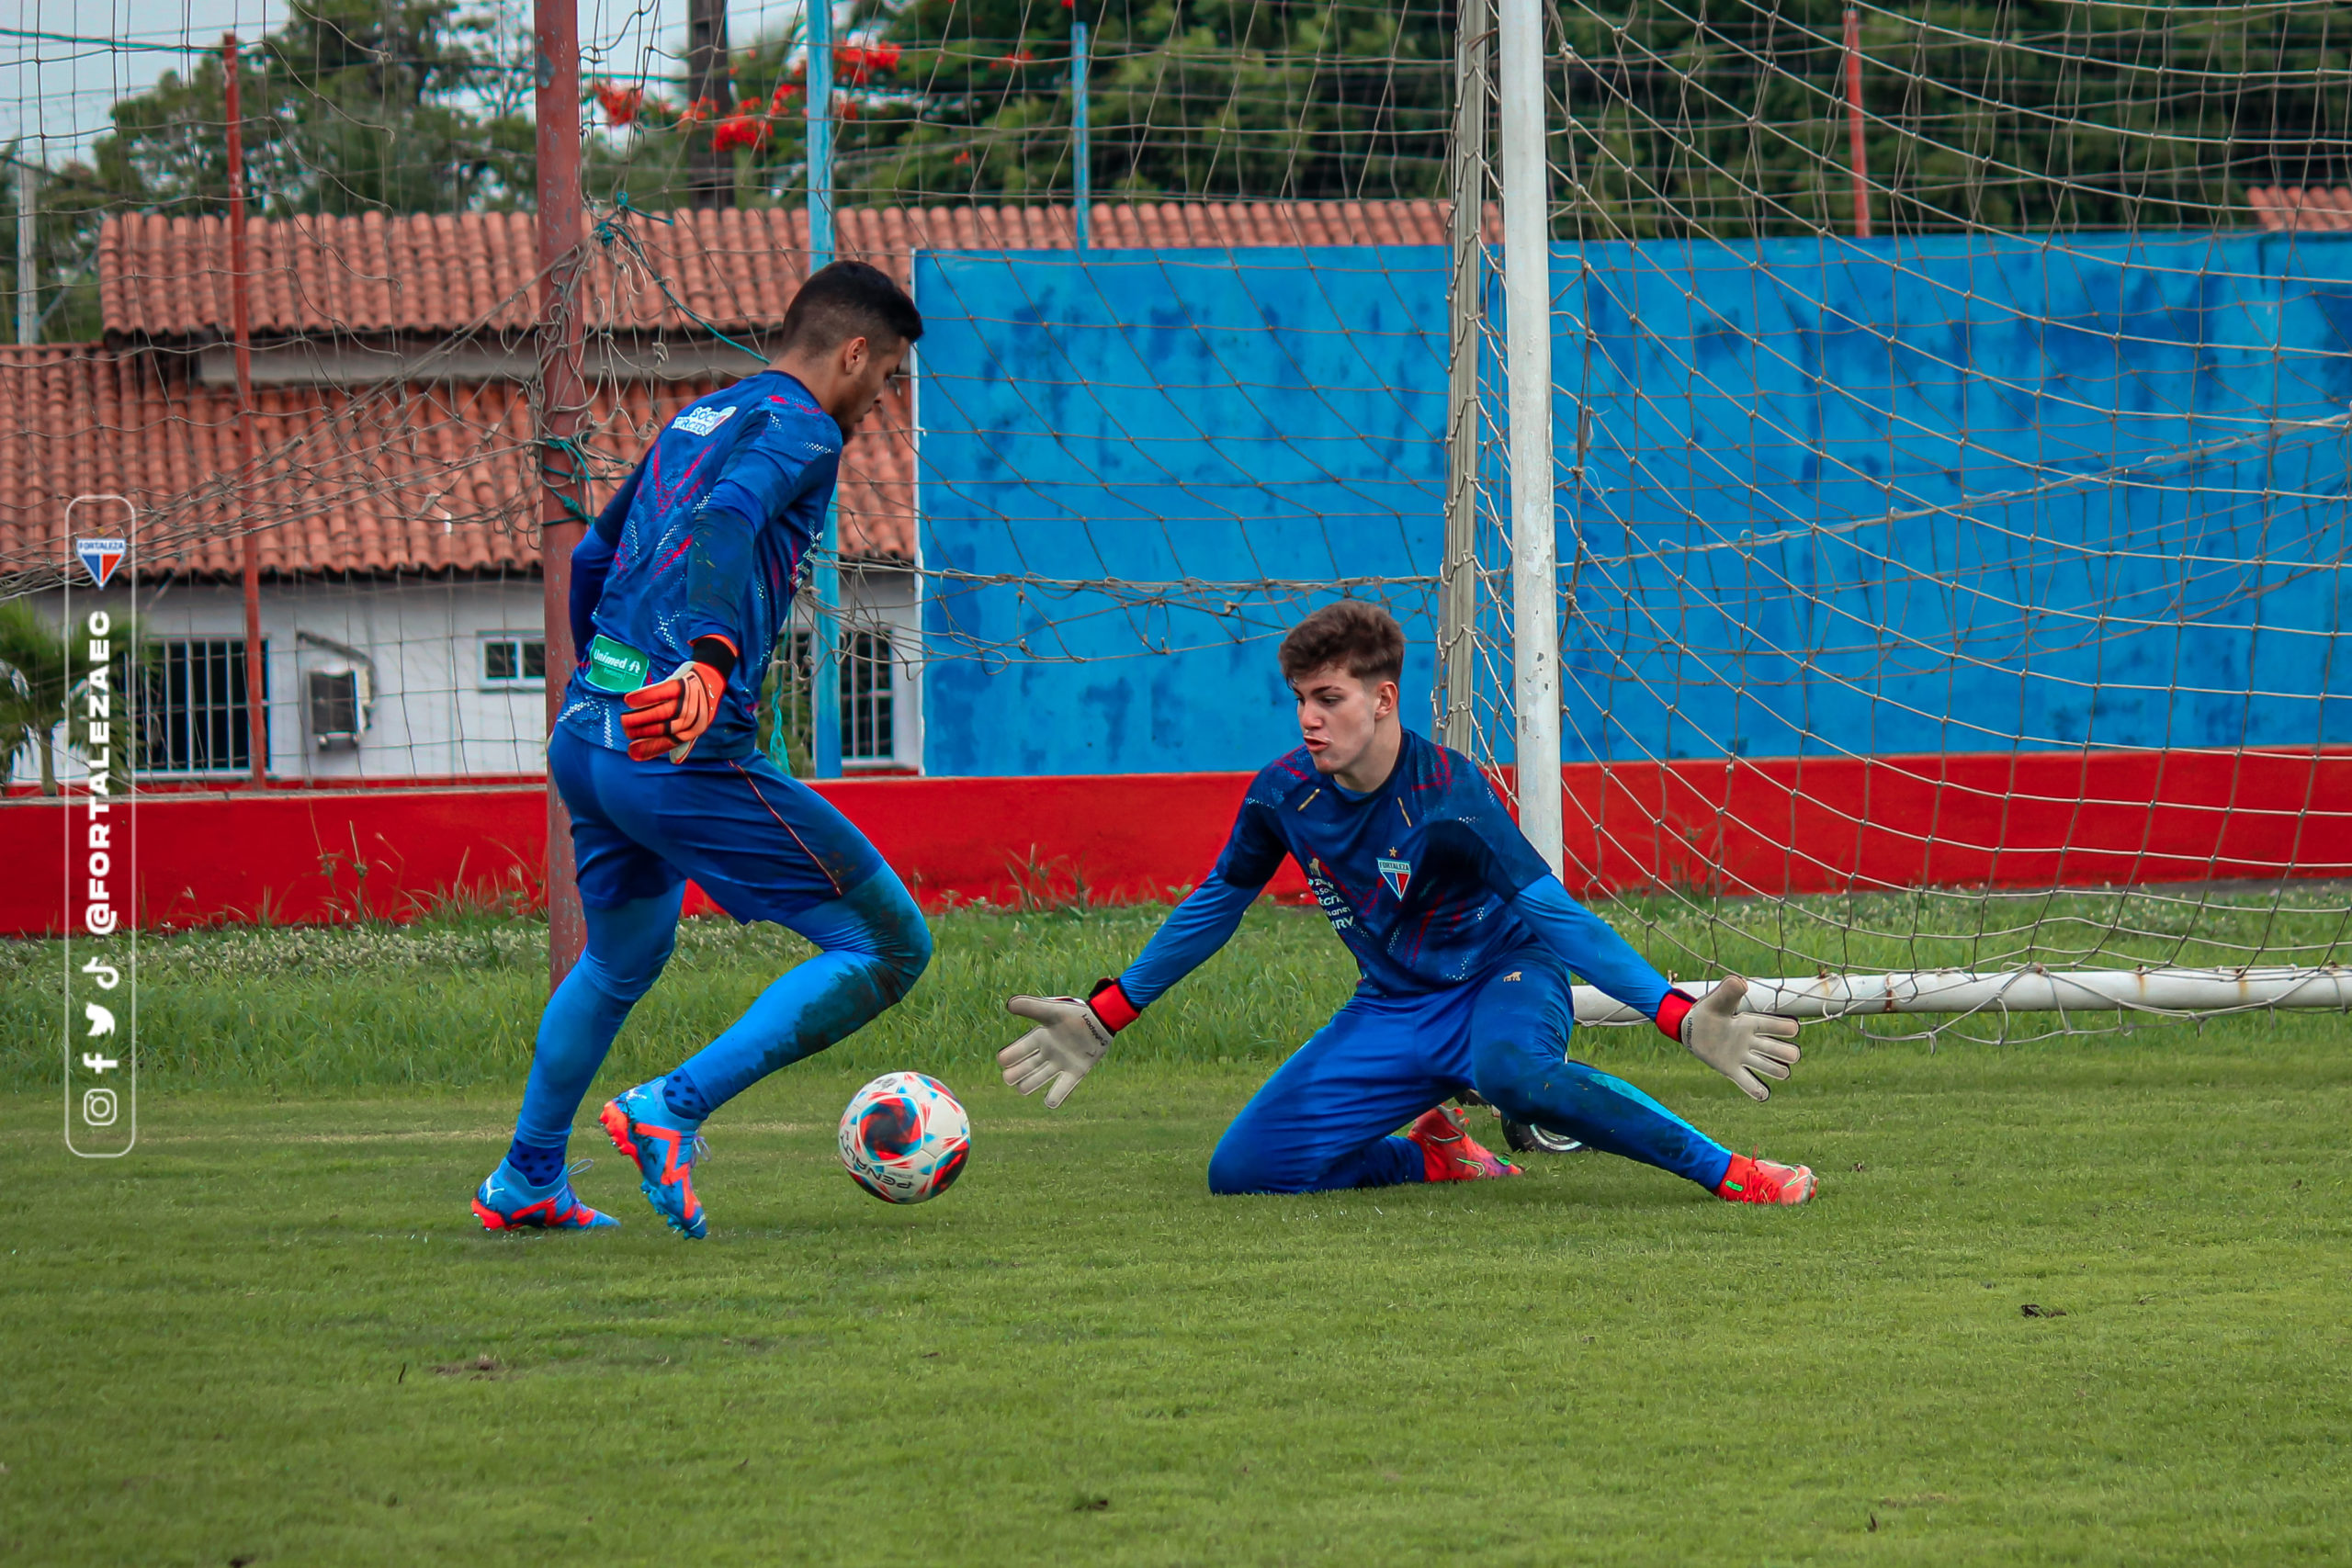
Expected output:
(1231, 1175)
(1238, 1169)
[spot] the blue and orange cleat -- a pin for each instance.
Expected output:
(1761, 1181)
(664, 1144)
(1448, 1150)
(506, 1203)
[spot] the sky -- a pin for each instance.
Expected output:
(55, 95)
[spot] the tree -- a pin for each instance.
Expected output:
(35, 664)
(353, 106)
(970, 99)
(38, 686)
(1728, 118)
(1299, 99)
(68, 203)
(1699, 117)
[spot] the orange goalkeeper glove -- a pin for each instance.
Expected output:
(671, 716)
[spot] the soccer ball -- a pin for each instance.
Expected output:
(904, 1138)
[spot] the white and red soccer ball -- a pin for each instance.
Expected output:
(904, 1138)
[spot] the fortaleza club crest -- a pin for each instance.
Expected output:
(1396, 873)
(101, 557)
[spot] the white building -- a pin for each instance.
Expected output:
(394, 490)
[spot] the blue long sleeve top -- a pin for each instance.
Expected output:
(708, 537)
(1427, 880)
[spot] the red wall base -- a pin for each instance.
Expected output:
(307, 855)
(1780, 826)
(1999, 820)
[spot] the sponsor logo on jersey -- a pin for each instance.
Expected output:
(101, 557)
(614, 666)
(703, 421)
(1512, 976)
(1396, 873)
(1328, 895)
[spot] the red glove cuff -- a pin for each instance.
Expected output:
(1111, 1005)
(1672, 1011)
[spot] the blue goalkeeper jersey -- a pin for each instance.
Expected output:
(708, 536)
(1427, 879)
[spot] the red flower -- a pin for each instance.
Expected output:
(1022, 57)
(739, 131)
(845, 107)
(783, 94)
(963, 158)
(859, 61)
(621, 104)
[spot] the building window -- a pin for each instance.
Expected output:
(195, 719)
(514, 659)
(869, 714)
(866, 714)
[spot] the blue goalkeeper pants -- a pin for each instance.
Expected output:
(764, 846)
(1324, 1120)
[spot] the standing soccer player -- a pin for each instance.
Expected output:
(1466, 941)
(691, 570)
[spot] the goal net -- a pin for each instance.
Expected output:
(1888, 466)
(1945, 441)
(1936, 537)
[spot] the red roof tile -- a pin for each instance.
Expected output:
(399, 477)
(416, 475)
(167, 277)
(2282, 208)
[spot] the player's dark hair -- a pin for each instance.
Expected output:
(1360, 638)
(849, 299)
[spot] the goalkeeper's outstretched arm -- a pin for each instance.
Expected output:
(1073, 1034)
(1745, 1047)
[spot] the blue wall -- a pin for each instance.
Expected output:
(2113, 521)
(1197, 417)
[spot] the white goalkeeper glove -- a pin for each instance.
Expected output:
(1746, 1047)
(1070, 1038)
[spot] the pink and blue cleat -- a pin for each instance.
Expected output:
(1450, 1154)
(506, 1203)
(664, 1144)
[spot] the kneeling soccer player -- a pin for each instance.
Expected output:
(1466, 941)
(692, 570)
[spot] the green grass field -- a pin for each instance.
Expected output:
(275, 1336)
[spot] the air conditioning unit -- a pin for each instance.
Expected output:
(338, 693)
(339, 701)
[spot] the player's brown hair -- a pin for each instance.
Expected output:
(849, 299)
(1360, 638)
